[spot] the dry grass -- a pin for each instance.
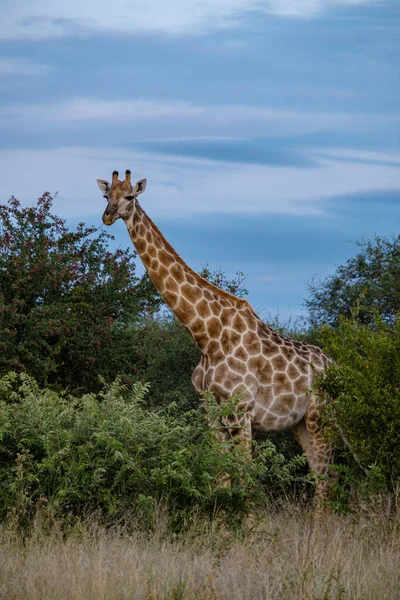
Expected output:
(285, 556)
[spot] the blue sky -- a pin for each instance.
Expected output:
(268, 130)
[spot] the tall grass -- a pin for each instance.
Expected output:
(285, 556)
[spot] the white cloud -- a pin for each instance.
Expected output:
(294, 8)
(182, 186)
(310, 8)
(86, 109)
(45, 19)
(359, 155)
(22, 68)
(181, 118)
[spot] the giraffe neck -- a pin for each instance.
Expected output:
(195, 302)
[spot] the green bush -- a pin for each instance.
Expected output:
(166, 356)
(110, 453)
(367, 283)
(365, 387)
(65, 299)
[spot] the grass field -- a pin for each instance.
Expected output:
(284, 556)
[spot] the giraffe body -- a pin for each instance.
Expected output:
(272, 374)
(277, 371)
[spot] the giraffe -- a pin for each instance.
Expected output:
(272, 374)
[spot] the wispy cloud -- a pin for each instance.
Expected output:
(367, 156)
(182, 186)
(18, 67)
(310, 8)
(85, 109)
(193, 119)
(44, 19)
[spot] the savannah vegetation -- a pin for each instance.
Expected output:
(109, 470)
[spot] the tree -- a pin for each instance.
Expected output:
(233, 286)
(364, 385)
(65, 299)
(367, 283)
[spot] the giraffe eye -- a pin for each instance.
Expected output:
(129, 197)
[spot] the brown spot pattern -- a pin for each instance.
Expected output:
(292, 372)
(278, 363)
(203, 309)
(281, 383)
(241, 353)
(301, 384)
(192, 293)
(214, 327)
(266, 373)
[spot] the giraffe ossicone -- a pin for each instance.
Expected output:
(239, 352)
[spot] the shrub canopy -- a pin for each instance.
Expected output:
(65, 299)
(367, 283)
(365, 388)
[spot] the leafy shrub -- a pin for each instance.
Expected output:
(108, 452)
(165, 356)
(64, 299)
(365, 387)
(367, 283)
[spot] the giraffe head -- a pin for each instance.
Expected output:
(121, 196)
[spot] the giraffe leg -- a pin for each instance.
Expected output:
(321, 449)
(310, 435)
(300, 432)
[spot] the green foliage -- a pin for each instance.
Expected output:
(165, 356)
(368, 282)
(64, 299)
(297, 328)
(354, 317)
(365, 387)
(110, 453)
(233, 286)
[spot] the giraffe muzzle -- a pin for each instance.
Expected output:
(108, 218)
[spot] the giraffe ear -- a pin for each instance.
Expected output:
(104, 186)
(140, 186)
